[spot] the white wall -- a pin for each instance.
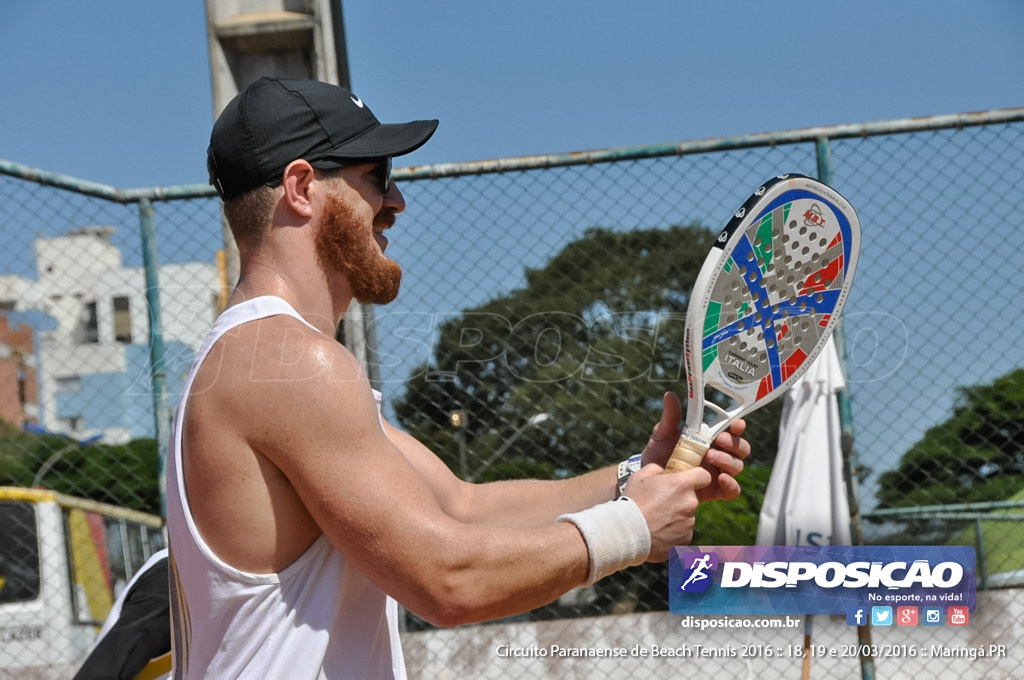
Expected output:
(68, 268)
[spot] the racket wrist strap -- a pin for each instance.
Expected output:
(626, 470)
(616, 535)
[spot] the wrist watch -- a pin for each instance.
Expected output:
(626, 470)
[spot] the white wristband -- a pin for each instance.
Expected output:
(616, 534)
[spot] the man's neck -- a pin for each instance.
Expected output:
(319, 303)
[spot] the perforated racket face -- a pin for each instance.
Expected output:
(771, 291)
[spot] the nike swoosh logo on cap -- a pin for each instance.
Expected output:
(357, 101)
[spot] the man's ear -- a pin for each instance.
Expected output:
(297, 184)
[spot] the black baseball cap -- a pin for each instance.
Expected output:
(275, 121)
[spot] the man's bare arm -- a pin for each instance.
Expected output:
(538, 502)
(380, 513)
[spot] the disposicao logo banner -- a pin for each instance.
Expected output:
(818, 579)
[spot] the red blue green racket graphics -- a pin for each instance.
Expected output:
(764, 304)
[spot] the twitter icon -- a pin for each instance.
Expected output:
(881, 616)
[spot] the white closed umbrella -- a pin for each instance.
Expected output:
(806, 502)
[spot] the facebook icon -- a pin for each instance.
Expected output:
(856, 616)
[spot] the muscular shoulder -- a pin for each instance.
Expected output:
(277, 352)
(276, 368)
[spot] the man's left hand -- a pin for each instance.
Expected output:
(724, 460)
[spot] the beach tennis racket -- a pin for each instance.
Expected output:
(764, 304)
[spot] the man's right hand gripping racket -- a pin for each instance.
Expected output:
(764, 304)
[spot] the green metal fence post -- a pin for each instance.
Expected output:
(867, 663)
(824, 156)
(158, 371)
(979, 547)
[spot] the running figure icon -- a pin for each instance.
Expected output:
(698, 570)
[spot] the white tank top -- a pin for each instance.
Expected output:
(318, 618)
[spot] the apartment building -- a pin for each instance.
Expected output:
(94, 357)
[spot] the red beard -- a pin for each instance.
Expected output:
(345, 244)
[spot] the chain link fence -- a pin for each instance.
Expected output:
(539, 324)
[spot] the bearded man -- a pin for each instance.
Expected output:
(297, 516)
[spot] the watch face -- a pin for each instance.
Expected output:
(626, 470)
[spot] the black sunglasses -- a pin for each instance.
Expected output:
(382, 171)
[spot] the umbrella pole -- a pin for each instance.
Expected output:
(808, 625)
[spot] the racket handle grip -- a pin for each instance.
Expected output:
(689, 452)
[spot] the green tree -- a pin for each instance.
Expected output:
(975, 455)
(592, 341)
(119, 474)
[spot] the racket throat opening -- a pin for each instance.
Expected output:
(719, 408)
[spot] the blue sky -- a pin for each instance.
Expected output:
(118, 91)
